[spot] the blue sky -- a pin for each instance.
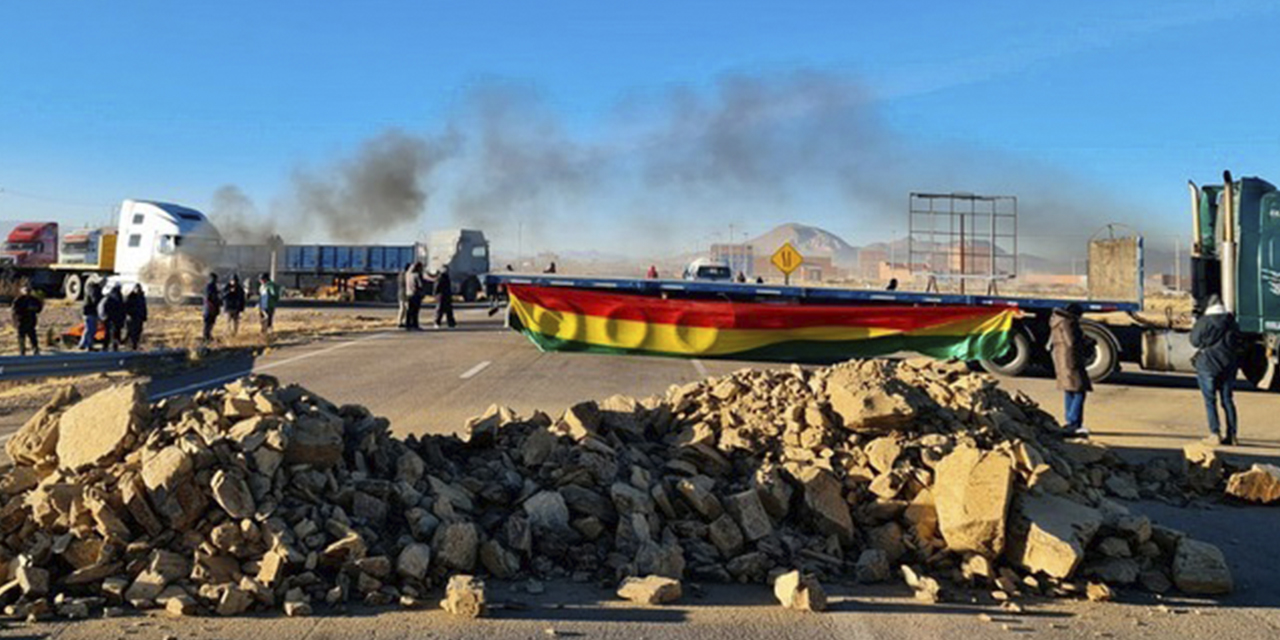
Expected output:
(1107, 106)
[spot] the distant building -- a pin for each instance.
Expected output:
(739, 257)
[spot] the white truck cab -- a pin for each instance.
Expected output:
(165, 247)
(708, 269)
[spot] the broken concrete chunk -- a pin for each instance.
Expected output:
(1199, 568)
(824, 499)
(100, 427)
(1054, 534)
(1261, 484)
(464, 596)
(650, 590)
(972, 494)
(798, 591)
(232, 494)
(413, 561)
(38, 437)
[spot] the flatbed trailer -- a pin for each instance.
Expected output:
(1028, 345)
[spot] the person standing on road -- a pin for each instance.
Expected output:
(1070, 353)
(92, 296)
(111, 313)
(1216, 337)
(135, 311)
(268, 299)
(26, 314)
(211, 306)
(233, 300)
(402, 298)
(652, 274)
(414, 290)
(444, 298)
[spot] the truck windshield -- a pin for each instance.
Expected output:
(22, 246)
(714, 273)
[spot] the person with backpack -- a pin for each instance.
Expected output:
(1216, 337)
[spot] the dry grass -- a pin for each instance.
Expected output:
(181, 327)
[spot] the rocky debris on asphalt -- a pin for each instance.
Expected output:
(464, 596)
(1261, 483)
(650, 590)
(259, 496)
(795, 590)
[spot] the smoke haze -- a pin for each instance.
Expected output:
(759, 149)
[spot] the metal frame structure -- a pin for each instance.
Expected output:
(951, 234)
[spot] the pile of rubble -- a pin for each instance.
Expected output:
(261, 496)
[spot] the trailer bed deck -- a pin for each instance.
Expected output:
(811, 295)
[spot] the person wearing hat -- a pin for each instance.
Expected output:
(1070, 353)
(1216, 337)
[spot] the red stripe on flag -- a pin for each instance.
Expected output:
(740, 315)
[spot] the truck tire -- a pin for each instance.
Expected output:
(1015, 362)
(471, 289)
(1260, 368)
(173, 291)
(73, 287)
(1105, 359)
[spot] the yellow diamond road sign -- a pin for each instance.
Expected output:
(786, 258)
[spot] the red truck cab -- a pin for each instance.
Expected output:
(31, 245)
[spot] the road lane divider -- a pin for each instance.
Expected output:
(469, 373)
(204, 384)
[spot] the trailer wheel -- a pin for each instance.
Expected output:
(73, 287)
(1105, 359)
(1015, 361)
(173, 291)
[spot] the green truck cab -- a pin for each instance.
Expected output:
(1236, 254)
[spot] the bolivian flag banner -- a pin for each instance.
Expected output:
(566, 319)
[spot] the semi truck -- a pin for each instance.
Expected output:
(464, 251)
(162, 246)
(170, 249)
(1236, 233)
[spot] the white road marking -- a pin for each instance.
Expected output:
(271, 365)
(699, 367)
(474, 370)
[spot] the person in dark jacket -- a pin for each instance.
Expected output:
(135, 311)
(233, 300)
(1216, 337)
(444, 298)
(26, 314)
(1070, 353)
(211, 306)
(92, 297)
(111, 314)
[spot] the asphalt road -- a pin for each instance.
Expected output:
(432, 381)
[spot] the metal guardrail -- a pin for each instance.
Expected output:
(77, 363)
